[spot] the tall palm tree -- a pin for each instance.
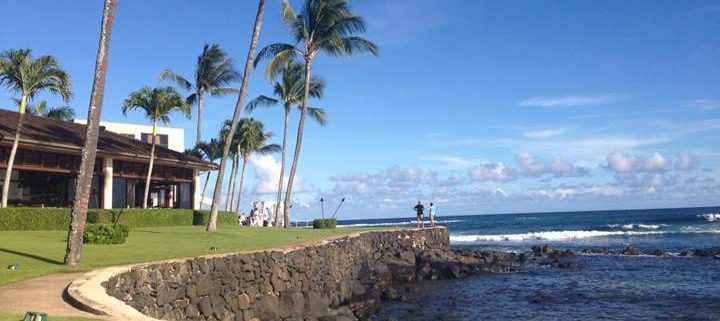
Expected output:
(212, 223)
(289, 91)
(157, 103)
(209, 151)
(252, 140)
(214, 72)
(22, 74)
(41, 109)
(234, 157)
(78, 215)
(323, 26)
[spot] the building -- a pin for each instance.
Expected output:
(168, 137)
(48, 159)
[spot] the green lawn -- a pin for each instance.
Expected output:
(12, 317)
(41, 252)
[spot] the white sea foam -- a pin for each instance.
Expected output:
(544, 236)
(398, 223)
(710, 217)
(632, 226)
(559, 235)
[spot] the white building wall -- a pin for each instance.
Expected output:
(176, 136)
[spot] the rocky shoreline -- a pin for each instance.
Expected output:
(343, 279)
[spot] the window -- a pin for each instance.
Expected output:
(161, 139)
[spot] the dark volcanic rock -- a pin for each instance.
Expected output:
(631, 250)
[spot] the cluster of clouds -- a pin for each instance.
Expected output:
(620, 162)
(530, 166)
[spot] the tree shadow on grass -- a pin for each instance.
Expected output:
(32, 256)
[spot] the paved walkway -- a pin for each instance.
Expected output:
(41, 294)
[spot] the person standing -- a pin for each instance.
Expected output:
(420, 209)
(432, 211)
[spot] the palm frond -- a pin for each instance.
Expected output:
(180, 81)
(65, 113)
(260, 101)
(318, 114)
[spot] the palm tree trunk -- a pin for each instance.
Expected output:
(212, 224)
(150, 166)
(78, 215)
(240, 189)
(13, 151)
(235, 182)
(198, 135)
(202, 196)
(298, 143)
(282, 167)
(231, 185)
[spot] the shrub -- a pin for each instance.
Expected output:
(105, 234)
(34, 218)
(324, 223)
(224, 218)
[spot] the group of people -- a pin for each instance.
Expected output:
(256, 218)
(420, 210)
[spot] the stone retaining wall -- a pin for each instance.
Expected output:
(333, 281)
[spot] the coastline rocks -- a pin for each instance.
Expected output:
(344, 279)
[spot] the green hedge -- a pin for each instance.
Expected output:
(20, 218)
(33, 218)
(224, 218)
(105, 234)
(327, 223)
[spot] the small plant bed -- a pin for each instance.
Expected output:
(324, 223)
(106, 233)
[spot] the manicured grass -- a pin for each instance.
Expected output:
(12, 317)
(41, 252)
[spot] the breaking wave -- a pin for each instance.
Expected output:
(558, 235)
(632, 226)
(398, 223)
(710, 217)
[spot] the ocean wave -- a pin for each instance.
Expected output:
(562, 235)
(710, 217)
(632, 226)
(412, 222)
(545, 236)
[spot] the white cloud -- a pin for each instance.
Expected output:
(655, 162)
(686, 162)
(545, 133)
(570, 100)
(496, 172)
(267, 175)
(558, 167)
(622, 163)
(702, 103)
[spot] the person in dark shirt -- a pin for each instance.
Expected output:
(420, 209)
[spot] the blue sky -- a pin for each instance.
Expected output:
(479, 106)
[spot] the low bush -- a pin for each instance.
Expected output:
(35, 218)
(105, 234)
(324, 223)
(224, 218)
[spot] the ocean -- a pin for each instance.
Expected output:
(603, 288)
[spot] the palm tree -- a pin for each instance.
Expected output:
(212, 223)
(234, 157)
(214, 72)
(40, 108)
(22, 74)
(252, 140)
(78, 215)
(158, 104)
(289, 90)
(209, 151)
(323, 26)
